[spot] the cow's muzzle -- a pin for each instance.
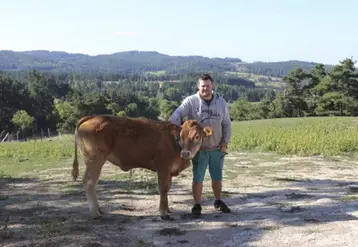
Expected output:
(185, 154)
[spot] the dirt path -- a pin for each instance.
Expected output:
(276, 201)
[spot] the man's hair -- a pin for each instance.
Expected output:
(205, 77)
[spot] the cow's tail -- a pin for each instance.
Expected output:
(75, 170)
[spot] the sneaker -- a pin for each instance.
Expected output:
(196, 210)
(221, 206)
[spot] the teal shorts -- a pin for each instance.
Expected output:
(213, 158)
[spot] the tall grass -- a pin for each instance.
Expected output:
(300, 136)
(34, 156)
(53, 148)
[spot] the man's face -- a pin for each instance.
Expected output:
(205, 88)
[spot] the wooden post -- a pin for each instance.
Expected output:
(3, 140)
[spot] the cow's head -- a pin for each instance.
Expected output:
(190, 138)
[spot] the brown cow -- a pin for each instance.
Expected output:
(130, 143)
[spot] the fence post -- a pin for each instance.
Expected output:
(3, 140)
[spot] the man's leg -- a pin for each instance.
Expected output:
(200, 163)
(216, 185)
(197, 188)
(216, 165)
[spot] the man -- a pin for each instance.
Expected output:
(209, 109)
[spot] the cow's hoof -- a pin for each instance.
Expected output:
(96, 215)
(165, 217)
(169, 211)
(101, 211)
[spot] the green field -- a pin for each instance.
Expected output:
(260, 80)
(295, 136)
(298, 136)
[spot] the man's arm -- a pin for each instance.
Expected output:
(181, 112)
(226, 125)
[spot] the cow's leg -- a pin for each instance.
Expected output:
(164, 181)
(170, 184)
(90, 180)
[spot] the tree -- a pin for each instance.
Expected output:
(131, 109)
(345, 78)
(296, 80)
(23, 121)
(240, 109)
(279, 107)
(166, 109)
(121, 114)
(13, 97)
(336, 93)
(68, 115)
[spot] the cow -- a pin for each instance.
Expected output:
(129, 143)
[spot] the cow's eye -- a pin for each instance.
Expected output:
(196, 137)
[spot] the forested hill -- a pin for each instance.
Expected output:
(135, 62)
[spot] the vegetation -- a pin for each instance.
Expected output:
(140, 62)
(295, 136)
(57, 100)
(34, 155)
(40, 102)
(280, 69)
(314, 93)
(298, 136)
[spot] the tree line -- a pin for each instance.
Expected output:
(35, 101)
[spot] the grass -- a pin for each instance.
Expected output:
(297, 136)
(52, 148)
(35, 155)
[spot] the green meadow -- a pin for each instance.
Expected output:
(298, 136)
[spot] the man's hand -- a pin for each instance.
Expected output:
(223, 147)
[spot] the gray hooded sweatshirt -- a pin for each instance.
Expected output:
(216, 116)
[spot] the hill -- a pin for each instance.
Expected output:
(129, 62)
(281, 68)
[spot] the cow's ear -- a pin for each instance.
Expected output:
(208, 131)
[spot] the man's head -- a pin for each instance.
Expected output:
(205, 86)
(191, 137)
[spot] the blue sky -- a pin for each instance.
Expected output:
(253, 30)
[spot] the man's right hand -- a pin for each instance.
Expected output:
(223, 147)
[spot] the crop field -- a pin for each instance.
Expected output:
(289, 182)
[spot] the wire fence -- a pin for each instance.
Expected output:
(6, 136)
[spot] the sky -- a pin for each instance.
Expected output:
(323, 31)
